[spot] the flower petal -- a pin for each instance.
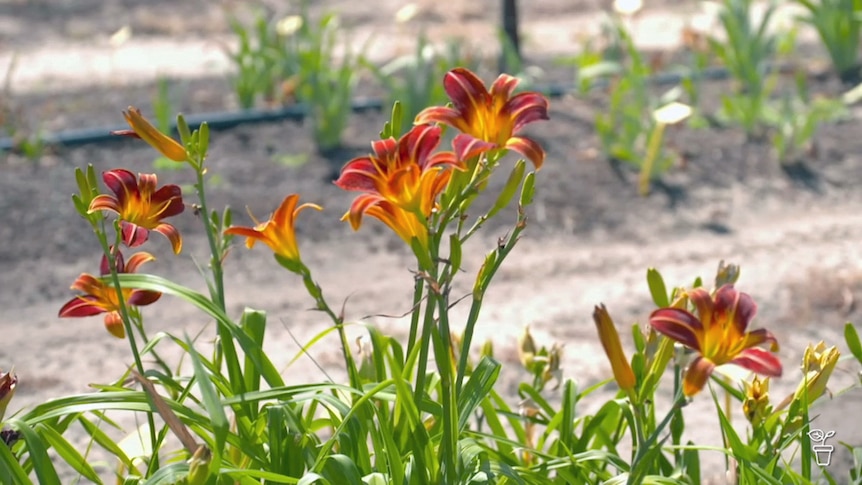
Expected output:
(467, 146)
(679, 325)
(529, 148)
(702, 301)
(759, 361)
(737, 306)
(444, 115)
(169, 200)
(359, 206)
(122, 183)
(526, 108)
(503, 86)
(143, 297)
(467, 92)
(104, 202)
(418, 144)
(359, 174)
(81, 306)
(114, 325)
(137, 260)
(696, 375)
(170, 232)
(105, 268)
(251, 234)
(133, 234)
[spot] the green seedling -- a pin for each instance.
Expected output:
(796, 119)
(838, 24)
(414, 80)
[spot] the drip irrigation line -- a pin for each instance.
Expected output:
(298, 112)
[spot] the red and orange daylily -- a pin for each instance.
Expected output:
(140, 206)
(99, 297)
(489, 119)
(143, 129)
(279, 231)
(719, 334)
(400, 181)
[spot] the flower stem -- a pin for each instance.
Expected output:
(418, 290)
(317, 294)
(443, 357)
(217, 295)
(476, 307)
(127, 325)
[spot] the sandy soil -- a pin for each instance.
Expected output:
(591, 239)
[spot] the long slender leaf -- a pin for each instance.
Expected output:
(38, 452)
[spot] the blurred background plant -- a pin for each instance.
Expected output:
(796, 118)
(299, 59)
(414, 79)
(27, 140)
(837, 23)
(628, 129)
(748, 50)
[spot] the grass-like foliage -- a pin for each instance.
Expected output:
(421, 411)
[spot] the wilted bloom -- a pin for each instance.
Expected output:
(400, 181)
(9, 436)
(8, 383)
(279, 232)
(140, 206)
(99, 297)
(719, 334)
(552, 366)
(143, 129)
(526, 348)
(756, 406)
(489, 119)
(623, 373)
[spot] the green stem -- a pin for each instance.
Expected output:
(443, 356)
(418, 289)
(467, 338)
(317, 294)
(422, 366)
(127, 325)
(215, 250)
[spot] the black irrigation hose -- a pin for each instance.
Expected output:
(225, 120)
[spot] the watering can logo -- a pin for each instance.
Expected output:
(822, 451)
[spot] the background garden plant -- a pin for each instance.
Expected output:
(420, 411)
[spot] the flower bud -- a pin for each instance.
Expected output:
(199, 466)
(818, 362)
(756, 406)
(623, 373)
(143, 129)
(8, 383)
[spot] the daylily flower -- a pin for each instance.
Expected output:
(99, 297)
(143, 129)
(279, 231)
(8, 383)
(140, 206)
(489, 119)
(400, 180)
(718, 334)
